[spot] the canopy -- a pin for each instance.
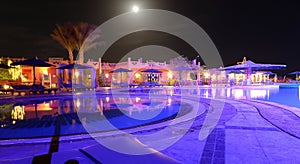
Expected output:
(249, 66)
(35, 62)
(295, 73)
(120, 70)
(76, 66)
(254, 66)
(152, 70)
(5, 66)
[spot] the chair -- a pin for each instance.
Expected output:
(21, 88)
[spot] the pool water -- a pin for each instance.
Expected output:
(44, 118)
(285, 96)
(68, 115)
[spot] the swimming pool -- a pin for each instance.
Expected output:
(68, 116)
(32, 118)
(287, 96)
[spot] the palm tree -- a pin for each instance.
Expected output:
(73, 37)
(64, 34)
(82, 31)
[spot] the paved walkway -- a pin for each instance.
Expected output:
(247, 132)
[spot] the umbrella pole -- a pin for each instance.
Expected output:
(36, 112)
(34, 79)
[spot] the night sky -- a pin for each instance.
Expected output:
(265, 32)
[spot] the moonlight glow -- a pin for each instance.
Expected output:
(135, 9)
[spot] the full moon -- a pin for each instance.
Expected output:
(135, 9)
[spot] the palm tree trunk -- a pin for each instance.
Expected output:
(80, 58)
(71, 57)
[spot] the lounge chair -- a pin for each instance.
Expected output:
(21, 88)
(36, 88)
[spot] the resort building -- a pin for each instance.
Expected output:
(178, 71)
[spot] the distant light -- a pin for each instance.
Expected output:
(137, 75)
(170, 75)
(135, 9)
(137, 99)
(76, 74)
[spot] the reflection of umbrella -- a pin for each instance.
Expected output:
(120, 70)
(295, 73)
(35, 63)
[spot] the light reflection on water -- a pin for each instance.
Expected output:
(285, 96)
(12, 112)
(30, 110)
(211, 92)
(73, 105)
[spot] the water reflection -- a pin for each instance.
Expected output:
(12, 112)
(18, 113)
(221, 92)
(131, 105)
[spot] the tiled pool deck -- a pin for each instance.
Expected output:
(247, 132)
